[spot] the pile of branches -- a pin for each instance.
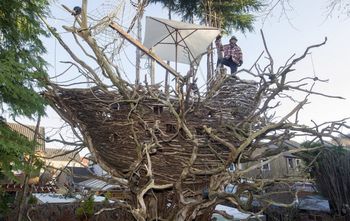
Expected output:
(172, 152)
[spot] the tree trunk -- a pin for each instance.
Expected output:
(165, 204)
(22, 204)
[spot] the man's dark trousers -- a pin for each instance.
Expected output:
(228, 62)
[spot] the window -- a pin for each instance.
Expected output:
(182, 133)
(266, 166)
(115, 106)
(232, 168)
(157, 131)
(199, 131)
(157, 109)
(297, 164)
(170, 128)
(290, 163)
(304, 187)
(315, 217)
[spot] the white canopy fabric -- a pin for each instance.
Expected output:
(178, 41)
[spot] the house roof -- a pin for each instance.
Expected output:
(288, 145)
(55, 154)
(95, 184)
(59, 198)
(291, 144)
(237, 215)
(80, 174)
(311, 203)
(344, 140)
(314, 203)
(53, 198)
(29, 131)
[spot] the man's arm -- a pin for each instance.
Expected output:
(218, 43)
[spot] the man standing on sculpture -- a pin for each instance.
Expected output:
(232, 56)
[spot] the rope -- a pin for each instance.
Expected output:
(55, 59)
(312, 63)
(100, 19)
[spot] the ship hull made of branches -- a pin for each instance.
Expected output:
(172, 150)
(149, 139)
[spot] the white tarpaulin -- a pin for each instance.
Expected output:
(178, 41)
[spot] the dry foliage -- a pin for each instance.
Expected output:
(172, 152)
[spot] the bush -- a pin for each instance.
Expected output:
(86, 209)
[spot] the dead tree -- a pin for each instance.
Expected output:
(173, 153)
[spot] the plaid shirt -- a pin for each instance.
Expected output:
(230, 50)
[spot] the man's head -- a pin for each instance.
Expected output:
(233, 39)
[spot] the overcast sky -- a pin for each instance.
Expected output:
(307, 25)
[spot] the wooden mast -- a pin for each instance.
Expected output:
(138, 44)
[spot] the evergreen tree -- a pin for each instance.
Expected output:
(330, 168)
(22, 70)
(226, 14)
(14, 148)
(21, 64)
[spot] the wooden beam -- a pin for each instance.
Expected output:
(138, 44)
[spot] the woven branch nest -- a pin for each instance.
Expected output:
(106, 119)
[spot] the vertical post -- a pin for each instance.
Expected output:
(176, 31)
(139, 38)
(167, 81)
(166, 87)
(177, 88)
(152, 72)
(210, 63)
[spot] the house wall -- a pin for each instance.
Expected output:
(277, 168)
(98, 170)
(345, 141)
(29, 132)
(60, 164)
(63, 179)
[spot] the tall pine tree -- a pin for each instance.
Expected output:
(22, 71)
(21, 64)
